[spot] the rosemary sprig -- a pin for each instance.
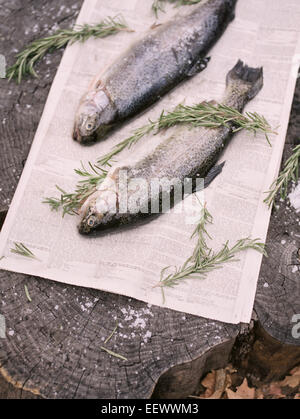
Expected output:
(289, 172)
(137, 135)
(201, 233)
(111, 335)
(185, 2)
(204, 114)
(113, 353)
(27, 294)
(36, 50)
(21, 249)
(108, 350)
(70, 202)
(158, 5)
(203, 259)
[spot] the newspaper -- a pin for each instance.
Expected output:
(129, 262)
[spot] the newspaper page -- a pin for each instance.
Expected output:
(129, 261)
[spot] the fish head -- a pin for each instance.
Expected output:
(94, 116)
(99, 211)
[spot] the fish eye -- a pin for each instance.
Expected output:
(91, 221)
(89, 126)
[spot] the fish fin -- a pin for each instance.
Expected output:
(213, 173)
(197, 66)
(250, 78)
(212, 102)
(232, 4)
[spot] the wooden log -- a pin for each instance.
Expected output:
(274, 344)
(53, 343)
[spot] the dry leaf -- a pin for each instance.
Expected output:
(228, 381)
(216, 395)
(295, 371)
(242, 392)
(275, 390)
(209, 382)
(259, 394)
(230, 369)
(291, 381)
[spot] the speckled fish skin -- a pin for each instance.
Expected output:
(151, 67)
(184, 156)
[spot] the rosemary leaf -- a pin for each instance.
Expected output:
(27, 294)
(71, 202)
(290, 172)
(113, 353)
(22, 250)
(36, 50)
(108, 350)
(203, 259)
(204, 114)
(111, 335)
(200, 115)
(185, 2)
(158, 5)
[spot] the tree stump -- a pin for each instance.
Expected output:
(53, 343)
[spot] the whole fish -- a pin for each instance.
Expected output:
(150, 68)
(185, 156)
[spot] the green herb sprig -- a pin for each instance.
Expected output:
(290, 172)
(27, 293)
(26, 59)
(205, 114)
(114, 354)
(208, 115)
(158, 5)
(204, 259)
(71, 202)
(22, 250)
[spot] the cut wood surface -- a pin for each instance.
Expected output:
(53, 343)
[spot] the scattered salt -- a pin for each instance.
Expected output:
(294, 197)
(147, 336)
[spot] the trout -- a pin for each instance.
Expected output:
(150, 68)
(173, 161)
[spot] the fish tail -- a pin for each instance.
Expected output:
(245, 79)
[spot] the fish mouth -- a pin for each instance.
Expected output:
(84, 139)
(97, 135)
(84, 229)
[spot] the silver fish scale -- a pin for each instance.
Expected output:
(158, 62)
(184, 155)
